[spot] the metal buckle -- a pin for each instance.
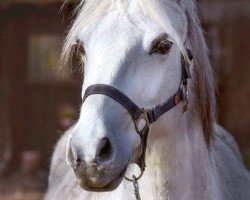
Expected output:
(143, 116)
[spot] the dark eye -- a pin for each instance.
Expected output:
(161, 45)
(80, 48)
(77, 52)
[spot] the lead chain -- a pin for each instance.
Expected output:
(136, 188)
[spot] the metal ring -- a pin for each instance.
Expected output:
(143, 116)
(136, 178)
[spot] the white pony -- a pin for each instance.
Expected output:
(136, 46)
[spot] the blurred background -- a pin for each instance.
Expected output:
(37, 103)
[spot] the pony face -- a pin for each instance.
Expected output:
(132, 52)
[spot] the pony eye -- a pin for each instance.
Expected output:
(80, 47)
(161, 46)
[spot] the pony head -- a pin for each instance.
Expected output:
(136, 48)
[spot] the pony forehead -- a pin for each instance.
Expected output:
(172, 21)
(167, 14)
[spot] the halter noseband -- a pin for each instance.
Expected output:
(149, 116)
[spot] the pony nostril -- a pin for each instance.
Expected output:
(78, 160)
(105, 150)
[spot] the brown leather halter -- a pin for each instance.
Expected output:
(149, 116)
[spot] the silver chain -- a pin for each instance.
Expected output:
(136, 188)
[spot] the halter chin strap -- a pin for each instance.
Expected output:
(149, 116)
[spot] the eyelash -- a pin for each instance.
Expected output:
(162, 46)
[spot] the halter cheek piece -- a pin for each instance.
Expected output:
(149, 116)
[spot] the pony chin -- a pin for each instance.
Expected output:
(114, 184)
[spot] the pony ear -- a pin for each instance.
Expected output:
(203, 74)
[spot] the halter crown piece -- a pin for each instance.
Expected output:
(149, 116)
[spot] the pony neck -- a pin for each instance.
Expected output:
(178, 162)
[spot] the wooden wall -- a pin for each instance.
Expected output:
(33, 105)
(228, 34)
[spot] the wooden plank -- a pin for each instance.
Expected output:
(216, 11)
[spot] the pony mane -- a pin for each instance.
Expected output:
(89, 11)
(205, 86)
